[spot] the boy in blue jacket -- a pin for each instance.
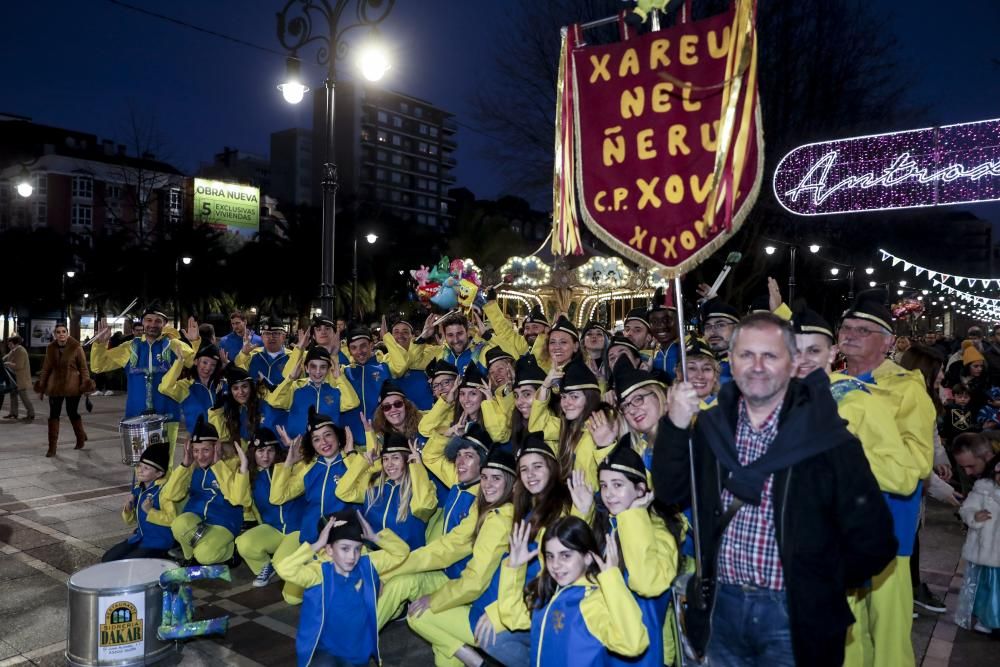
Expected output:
(151, 513)
(337, 625)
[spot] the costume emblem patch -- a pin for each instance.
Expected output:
(558, 621)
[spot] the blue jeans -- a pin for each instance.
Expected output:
(749, 628)
(511, 649)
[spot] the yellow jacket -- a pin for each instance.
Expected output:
(103, 359)
(504, 333)
(287, 482)
(869, 411)
(304, 567)
(649, 552)
(914, 411)
(179, 481)
(496, 419)
(586, 456)
(609, 610)
(282, 395)
(442, 551)
(354, 485)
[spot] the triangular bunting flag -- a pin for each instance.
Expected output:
(958, 280)
(885, 255)
(931, 274)
(920, 270)
(906, 266)
(896, 260)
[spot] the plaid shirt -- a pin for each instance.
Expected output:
(749, 552)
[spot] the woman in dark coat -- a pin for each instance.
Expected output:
(64, 377)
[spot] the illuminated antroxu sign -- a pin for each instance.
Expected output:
(237, 207)
(951, 164)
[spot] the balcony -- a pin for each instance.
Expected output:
(449, 125)
(448, 161)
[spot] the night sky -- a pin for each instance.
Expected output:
(80, 63)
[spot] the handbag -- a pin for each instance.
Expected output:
(8, 383)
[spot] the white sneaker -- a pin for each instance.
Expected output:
(982, 629)
(109, 393)
(265, 576)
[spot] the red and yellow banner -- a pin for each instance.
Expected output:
(662, 140)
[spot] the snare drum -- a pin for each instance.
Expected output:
(114, 612)
(140, 432)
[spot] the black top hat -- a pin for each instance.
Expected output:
(395, 442)
(594, 324)
(318, 420)
(475, 437)
(658, 302)
(234, 375)
(264, 437)
(210, 351)
(696, 347)
(625, 460)
(808, 321)
(577, 377)
(349, 530)
(390, 388)
(638, 315)
(359, 333)
(628, 378)
(324, 320)
(534, 443)
(870, 305)
(473, 377)
(271, 324)
(318, 353)
(620, 340)
(154, 309)
(528, 372)
(536, 316)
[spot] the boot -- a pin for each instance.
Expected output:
(81, 436)
(53, 437)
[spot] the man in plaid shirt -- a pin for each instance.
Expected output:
(790, 517)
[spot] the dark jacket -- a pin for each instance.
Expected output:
(64, 371)
(991, 352)
(833, 527)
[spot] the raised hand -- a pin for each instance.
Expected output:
(324, 535)
(304, 336)
(188, 454)
(414, 456)
(244, 462)
(555, 374)
(103, 331)
(485, 389)
(366, 423)
(223, 358)
(385, 328)
(367, 533)
(453, 392)
(429, 324)
(348, 441)
(520, 537)
(643, 501)
(581, 492)
(419, 606)
(458, 428)
(485, 635)
(682, 404)
(610, 559)
(601, 429)
(773, 294)
(247, 343)
(191, 331)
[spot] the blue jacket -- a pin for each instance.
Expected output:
(367, 381)
(559, 631)
(325, 399)
(149, 535)
(199, 401)
(286, 517)
(665, 361)
(318, 628)
(146, 366)
(382, 514)
(232, 344)
(273, 370)
(206, 499)
(416, 387)
(321, 494)
(475, 353)
(457, 506)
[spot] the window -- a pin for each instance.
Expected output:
(432, 149)
(397, 140)
(383, 117)
(422, 219)
(81, 215)
(83, 187)
(422, 147)
(404, 107)
(383, 136)
(41, 213)
(422, 129)
(395, 195)
(397, 159)
(366, 135)
(41, 183)
(432, 168)
(421, 184)
(422, 202)
(397, 121)
(421, 166)
(380, 174)
(113, 191)
(383, 156)
(380, 193)
(434, 131)
(175, 201)
(396, 177)
(418, 112)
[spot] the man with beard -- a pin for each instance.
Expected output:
(790, 514)
(459, 350)
(637, 329)
(865, 338)
(513, 343)
(413, 381)
(719, 320)
(240, 335)
(146, 360)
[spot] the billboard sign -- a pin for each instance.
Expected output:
(230, 205)
(935, 166)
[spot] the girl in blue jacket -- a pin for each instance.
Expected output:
(337, 625)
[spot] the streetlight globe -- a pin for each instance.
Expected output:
(373, 62)
(25, 189)
(872, 283)
(902, 283)
(185, 260)
(769, 249)
(834, 271)
(86, 295)
(293, 91)
(70, 274)
(814, 248)
(371, 238)
(869, 270)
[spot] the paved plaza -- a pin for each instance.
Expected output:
(59, 515)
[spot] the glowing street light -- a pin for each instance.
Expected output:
(869, 270)
(372, 61)
(371, 238)
(769, 249)
(834, 271)
(293, 90)
(814, 248)
(902, 283)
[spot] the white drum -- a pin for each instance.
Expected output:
(140, 432)
(114, 612)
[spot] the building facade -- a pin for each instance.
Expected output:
(291, 167)
(393, 152)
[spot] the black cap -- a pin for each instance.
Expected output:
(211, 351)
(154, 309)
(234, 375)
(157, 456)
(359, 333)
(318, 420)
(628, 378)
(264, 437)
(594, 324)
(495, 354)
(807, 321)
(619, 339)
(395, 442)
(271, 324)
(440, 367)
(401, 320)
(534, 443)
(324, 320)
(870, 305)
(349, 530)
(203, 431)
(473, 377)
(476, 437)
(501, 459)
(625, 460)
(528, 372)
(696, 347)
(536, 316)
(577, 377)
(564, 325)
(761, 304)
(638, 315)
(390, 388)
(318, 353)
(714, 308)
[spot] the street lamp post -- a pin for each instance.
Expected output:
(177, 288)
(371, 238)
(295, 30)
(62, 294)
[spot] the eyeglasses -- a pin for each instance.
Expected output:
(442, 385)
(394, 405)
(636, 403)
(860, 332)
(718, 326)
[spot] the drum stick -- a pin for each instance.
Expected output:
(119, 315)
(731, 260)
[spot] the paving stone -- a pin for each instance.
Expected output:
(22, 537)
(65, 557)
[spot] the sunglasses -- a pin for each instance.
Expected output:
(394, 405)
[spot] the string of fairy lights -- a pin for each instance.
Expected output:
(949, 297)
